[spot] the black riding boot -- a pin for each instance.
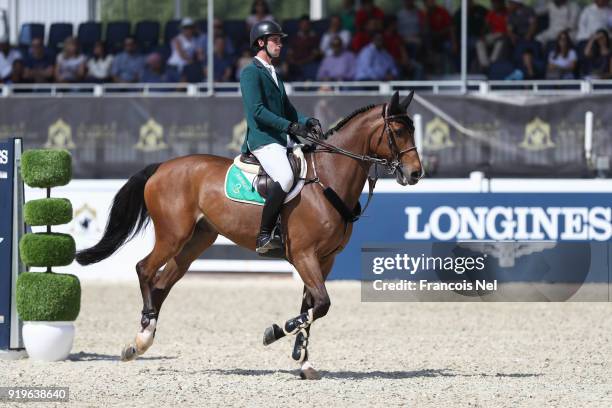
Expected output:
(274, 202)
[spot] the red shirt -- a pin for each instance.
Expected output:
(497, 21)
(393, 43)
(360, 40)
(363, 16)
(438, 19)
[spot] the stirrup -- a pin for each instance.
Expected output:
(272, 242)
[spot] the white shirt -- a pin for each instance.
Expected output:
(562, 17)
(189, 46)
(325, 44)
(100, 68)
(6, 62)
(270, 69)
(592, 19)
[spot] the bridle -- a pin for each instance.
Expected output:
(393, 166)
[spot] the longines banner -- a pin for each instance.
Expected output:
(113, 137)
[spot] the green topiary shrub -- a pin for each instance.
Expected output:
(47, 249)
(46, 167)
(48, 211)
(48, 297)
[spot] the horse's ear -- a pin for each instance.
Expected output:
(406, 102)
(394, 104)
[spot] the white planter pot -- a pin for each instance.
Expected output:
(48, 341)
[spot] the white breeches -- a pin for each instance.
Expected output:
(273, 158)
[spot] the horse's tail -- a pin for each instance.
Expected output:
(128, 216)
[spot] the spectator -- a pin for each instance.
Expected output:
(562, 60)
(17, 73)
(374, 63)
(99, 65)
(244, 60)
(127, 65)
(260, 11)
(223, 63)
(183, 47)
(339, 66)
(395, 46)
(193, 73)
(7, 57)
(70, 63)
(335, 30)
(202, 41)
(592, 19)
(303, 53)
(410, 25)
(38, 63)
(489, 47)
(347, 15)
(562, 16)
(521, 31)
(476, 27)
(597, 54)
(154, 72)
(364, 36)
(368, 11)
(438, 32)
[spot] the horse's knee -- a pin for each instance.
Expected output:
(321, 307)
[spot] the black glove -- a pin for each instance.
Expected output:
(299, 130)
(314, 126)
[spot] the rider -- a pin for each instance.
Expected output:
(272, 123)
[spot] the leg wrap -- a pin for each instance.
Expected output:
(292, 326)
(300, 350)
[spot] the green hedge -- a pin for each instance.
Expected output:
(48, 297)
(47, 249)
(46, 167)
(48, 211)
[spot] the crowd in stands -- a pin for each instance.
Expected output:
(510, 40)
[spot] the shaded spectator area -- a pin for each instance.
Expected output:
(414, 40)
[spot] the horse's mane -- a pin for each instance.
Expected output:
(344, 121)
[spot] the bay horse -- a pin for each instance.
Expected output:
(184, 197)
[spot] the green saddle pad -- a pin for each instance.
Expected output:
(239, 188)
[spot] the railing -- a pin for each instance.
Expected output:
(314, 88)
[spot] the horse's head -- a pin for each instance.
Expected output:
(395, 141)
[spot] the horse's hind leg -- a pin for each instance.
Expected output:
(168, 243)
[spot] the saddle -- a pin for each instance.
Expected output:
(263, 183)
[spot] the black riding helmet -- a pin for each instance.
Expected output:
(264, 29)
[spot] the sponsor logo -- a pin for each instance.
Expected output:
(507, 252)
(500, 223)
(60, 136)
(537, 136)
(3, 156)
(3, 175)
(437, 135)
(1, 239)
(238, 133)
(151, 137)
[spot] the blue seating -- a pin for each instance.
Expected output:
(202, 26)
(29, 31)
(88, 34)
(116, 32)
(171, 30)
(320, 26)
(58, 32)
(237, 31)
(147, 35)
(291, 26)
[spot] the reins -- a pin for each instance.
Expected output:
(392, 166)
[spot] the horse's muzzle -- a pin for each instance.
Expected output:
(405, 176)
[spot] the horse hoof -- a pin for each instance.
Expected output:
(129, 353)
(308, 372)
(271, 334)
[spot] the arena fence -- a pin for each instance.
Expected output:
(115, 135)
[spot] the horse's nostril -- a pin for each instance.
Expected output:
(415, 175)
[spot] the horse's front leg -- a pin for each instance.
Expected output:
(315, 305)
